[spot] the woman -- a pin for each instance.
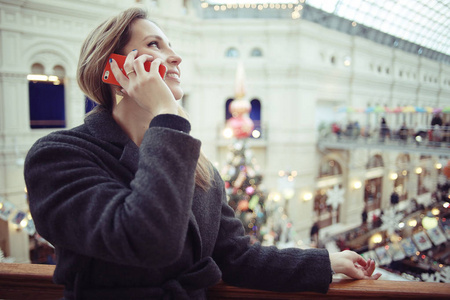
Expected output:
(133, 208)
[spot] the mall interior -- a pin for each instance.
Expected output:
(328, 119)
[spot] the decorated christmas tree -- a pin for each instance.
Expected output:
(243, 185)
(241, 173)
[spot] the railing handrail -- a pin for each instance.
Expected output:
(33, 281)
(347, 143)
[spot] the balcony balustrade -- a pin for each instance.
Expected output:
(422, 141)
(33, 281)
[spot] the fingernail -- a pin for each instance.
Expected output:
(134, 49)
(110, 60)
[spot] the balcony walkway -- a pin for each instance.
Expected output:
(34, 282)
(424, 147)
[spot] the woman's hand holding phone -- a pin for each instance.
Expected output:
(147, 88)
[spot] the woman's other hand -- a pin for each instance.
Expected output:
(353, 265)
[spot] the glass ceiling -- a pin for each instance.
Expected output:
(422, 22)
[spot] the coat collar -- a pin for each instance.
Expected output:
(102, 125)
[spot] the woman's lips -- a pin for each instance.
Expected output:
(173, 75)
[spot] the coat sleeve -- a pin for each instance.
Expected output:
(267, 268)
(80, 204)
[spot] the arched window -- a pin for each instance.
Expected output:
(372, 193)
(375, 162)
(256, 52)
(373, 186)
(402, 176)
(59, 72)
(232, 52)
(46, 92)
(424, 182)
(227, 109)
(255, 115)
(323, 212)
(329, 167)
(37, 69)
(402, 162)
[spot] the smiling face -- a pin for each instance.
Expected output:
(147, 38)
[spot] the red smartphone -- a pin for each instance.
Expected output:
(108, 76)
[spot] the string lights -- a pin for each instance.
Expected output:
(296, 6)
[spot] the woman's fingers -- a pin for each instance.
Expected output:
(368, 271)
(128, 65)
(375, 276)
(353, 265)
(356, 272)
(146, 87)
(154, 68)
(121, 79)
(370, 267)
(360, 260)
(135, 65)
(140, 62)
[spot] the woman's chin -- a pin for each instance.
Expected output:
(177, 93)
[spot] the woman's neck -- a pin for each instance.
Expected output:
(133, 120)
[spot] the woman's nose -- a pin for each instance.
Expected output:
(174, 59)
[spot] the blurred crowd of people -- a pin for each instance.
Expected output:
(436, 133)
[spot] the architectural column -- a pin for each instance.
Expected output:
(14, 126)
(354, 202)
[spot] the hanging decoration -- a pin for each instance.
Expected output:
(395, 251)
(414, 244)
(396, 110)
(391, 219)
(409, 109)
(240, 123)
(446, 110)
(422, 241)
(335, 197)
(442, 276)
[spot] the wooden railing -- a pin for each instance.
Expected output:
(28, 281)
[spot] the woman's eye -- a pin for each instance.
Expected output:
(151, 44)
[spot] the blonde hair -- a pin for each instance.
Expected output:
(109, 37)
